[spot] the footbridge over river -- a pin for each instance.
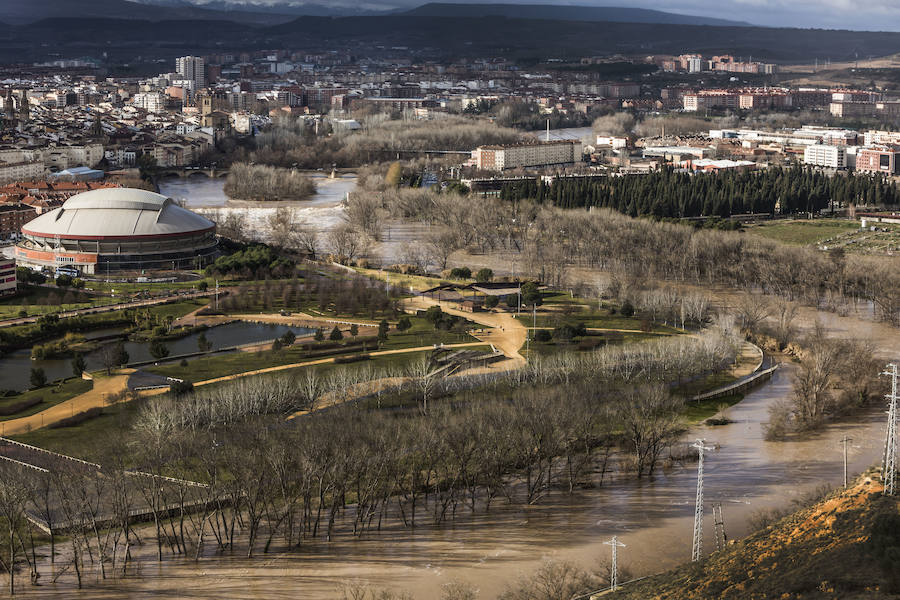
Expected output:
(184, 172)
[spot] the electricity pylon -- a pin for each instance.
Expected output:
(613, 578)
(889, 466)
(697, 548)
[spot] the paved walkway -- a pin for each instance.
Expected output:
(309, 363)
(105, 308)
(104, 388)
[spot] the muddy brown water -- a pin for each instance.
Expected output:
(653, 517)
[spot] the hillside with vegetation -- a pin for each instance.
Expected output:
(845, 546)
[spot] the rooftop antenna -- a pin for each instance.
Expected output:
(613, 579)
(719, 522)
(890, 443)
(697, 548)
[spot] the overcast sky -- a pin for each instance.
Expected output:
(883, 15)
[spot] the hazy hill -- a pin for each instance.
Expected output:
(437, 37)
(562, 12)
(846, 546)
(545, 38)
(18, 12)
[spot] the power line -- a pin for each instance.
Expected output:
(613, 579)
(844, 441)
(697, 547)
(889, 466)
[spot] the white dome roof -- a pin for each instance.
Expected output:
(115, 213)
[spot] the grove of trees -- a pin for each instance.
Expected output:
(667, 193)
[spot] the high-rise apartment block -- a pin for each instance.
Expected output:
(822, 155)
(192, 68)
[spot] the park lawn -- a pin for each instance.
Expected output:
(220, 365)
(84, 440)
(414, 282)
(35, 300)
(423, 333)
(594, 319)
(152, 287)
(176, 309)
(554, 347)
(802, 233)
(51, 395)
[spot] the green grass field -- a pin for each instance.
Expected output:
(422, 333)
(85, 440)
(802, 233)
(39, 300)
(50, 395)
(594, 319)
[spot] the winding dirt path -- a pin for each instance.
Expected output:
(506, 334)
(98, 396)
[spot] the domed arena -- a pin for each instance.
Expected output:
(118, 229)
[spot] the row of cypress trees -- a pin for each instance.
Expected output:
(669, 193)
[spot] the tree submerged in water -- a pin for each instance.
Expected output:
(262, 182)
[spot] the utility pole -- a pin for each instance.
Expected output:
(889, 466)
(844, 441)
(719, 523)
(613, 578)
(697, 546)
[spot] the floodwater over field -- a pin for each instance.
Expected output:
(16, 366)
(566, 133)
(652, 516)
(207, 196)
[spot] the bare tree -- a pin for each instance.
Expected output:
(752, 309)
(347, 243)
(441, 244)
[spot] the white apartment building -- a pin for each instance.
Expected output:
(874, 138)
(821, 155)
(21, 171)
(22, 164)
(529, 154)
(150, 101)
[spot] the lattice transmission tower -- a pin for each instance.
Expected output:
(697, 547)
(613, 573)
(889, 466)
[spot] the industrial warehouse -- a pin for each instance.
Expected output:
(118, 229)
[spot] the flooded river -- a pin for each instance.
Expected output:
(653, 517)
(207, 196)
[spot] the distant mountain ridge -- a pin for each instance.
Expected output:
(21, 12)
(565, 12)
